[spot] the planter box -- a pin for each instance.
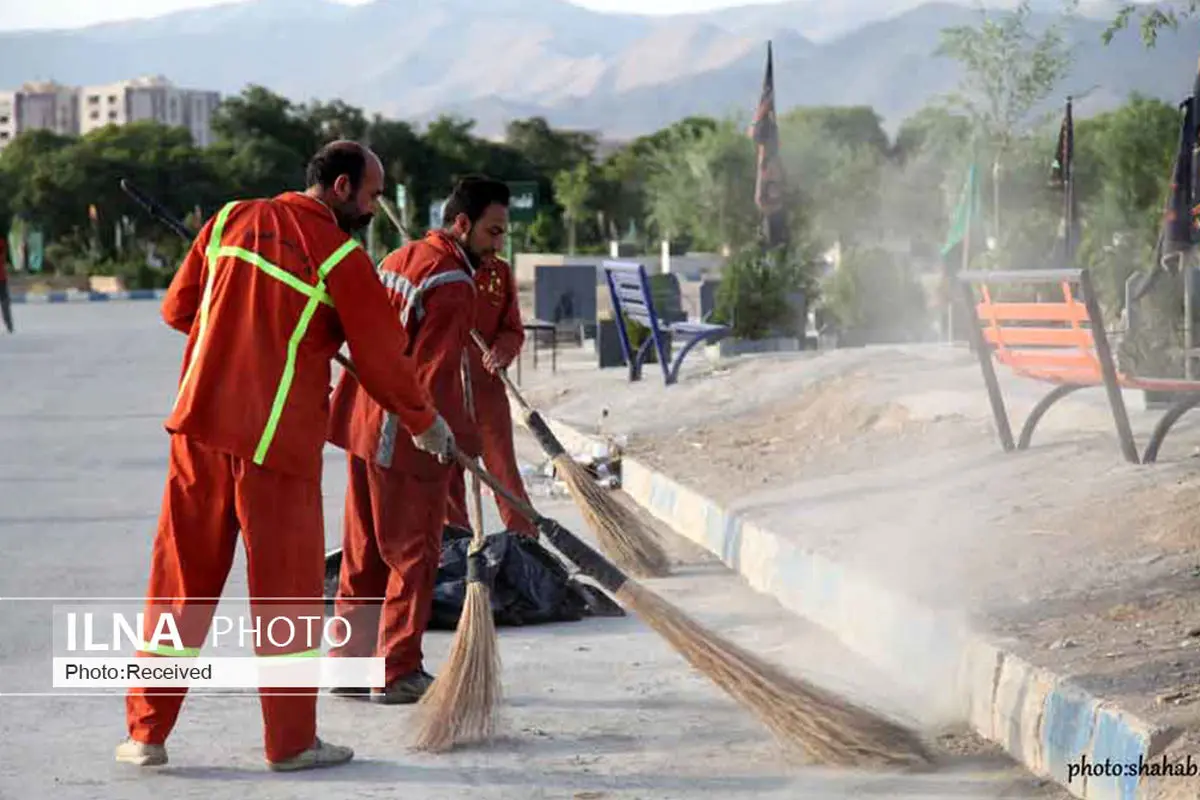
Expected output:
(727, 348)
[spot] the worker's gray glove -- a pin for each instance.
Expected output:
(437, 440)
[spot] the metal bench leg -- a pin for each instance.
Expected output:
(677, 362)
(1165, 424)
(966, 299)
(635, 364)
(1043, 405)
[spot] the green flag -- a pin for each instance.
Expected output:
(965, 223)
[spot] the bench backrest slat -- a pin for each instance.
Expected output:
(1033, 312)
(1013, 337)
(632, 290)
(1052, 340)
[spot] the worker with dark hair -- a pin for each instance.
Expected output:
(269, 291)
(396, 500)
(498, 322)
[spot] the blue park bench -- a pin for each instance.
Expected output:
(633, 301)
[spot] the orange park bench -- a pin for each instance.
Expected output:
(1060, 342)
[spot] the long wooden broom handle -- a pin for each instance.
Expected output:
(508, 382)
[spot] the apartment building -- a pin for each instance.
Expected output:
(149, 98)
(39, 106)
(73, 110)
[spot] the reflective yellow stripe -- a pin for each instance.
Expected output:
(275, 272)
(289, 367)
(169, 652)
(211, 254)
(302, 654)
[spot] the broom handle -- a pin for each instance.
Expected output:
(394, 216)
(508, 382)
(533, 419)
(575, 549)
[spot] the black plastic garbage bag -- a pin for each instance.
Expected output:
(530, 585)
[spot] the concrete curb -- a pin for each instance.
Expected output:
(1041, 719)
(80, 296)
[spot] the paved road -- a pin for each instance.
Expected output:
(595, 709)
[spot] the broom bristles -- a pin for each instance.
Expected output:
(462, 704)
(632, 546)
(827, 728)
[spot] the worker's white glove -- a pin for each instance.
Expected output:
(437, 440)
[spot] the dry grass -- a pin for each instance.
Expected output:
(632, 546)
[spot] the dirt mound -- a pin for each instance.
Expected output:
(829, 417)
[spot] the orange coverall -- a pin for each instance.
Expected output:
(498, 320)
(396, 499)
(269, 291)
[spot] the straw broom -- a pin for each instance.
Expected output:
(828, 728)
(461, 705)
(622, 536)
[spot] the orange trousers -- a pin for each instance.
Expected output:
(391, 547)
(499, 459)
(209, 497)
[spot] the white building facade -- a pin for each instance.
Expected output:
(71, 110)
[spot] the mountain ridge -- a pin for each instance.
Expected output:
(618, 74)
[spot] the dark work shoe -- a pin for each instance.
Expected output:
(406, 690)
(352, 692)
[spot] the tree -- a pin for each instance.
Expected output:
(572, 188)
(836, 169)
(701, 186)
(1159, 16)
(548, 150)
(1009, 71)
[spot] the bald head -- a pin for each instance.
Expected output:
(348, 178)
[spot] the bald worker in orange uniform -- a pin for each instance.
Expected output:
(269, 291)
(498, 321)
(396, 500)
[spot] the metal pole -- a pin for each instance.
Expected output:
(1185, 260)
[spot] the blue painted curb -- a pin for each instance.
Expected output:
(76, 296)
(1043, 720)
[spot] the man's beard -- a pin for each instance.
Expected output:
(349, 220)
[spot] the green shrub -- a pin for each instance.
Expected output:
(753, 298)
(872, 290)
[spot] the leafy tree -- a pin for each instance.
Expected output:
(1009, 71)
(572, 188)
(1154, 18)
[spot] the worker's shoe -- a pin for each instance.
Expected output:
(320, 754)
(408, 689)
(141, 754)
(352, 692)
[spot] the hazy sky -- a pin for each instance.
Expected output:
(21, 14)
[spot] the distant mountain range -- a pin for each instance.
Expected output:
(620, 74)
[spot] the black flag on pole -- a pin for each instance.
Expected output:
(768, 190)
(1062, 175)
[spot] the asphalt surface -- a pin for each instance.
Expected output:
(600, 708)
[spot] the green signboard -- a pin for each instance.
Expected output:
(522, 205)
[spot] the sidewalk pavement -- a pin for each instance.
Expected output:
(1040, 718)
